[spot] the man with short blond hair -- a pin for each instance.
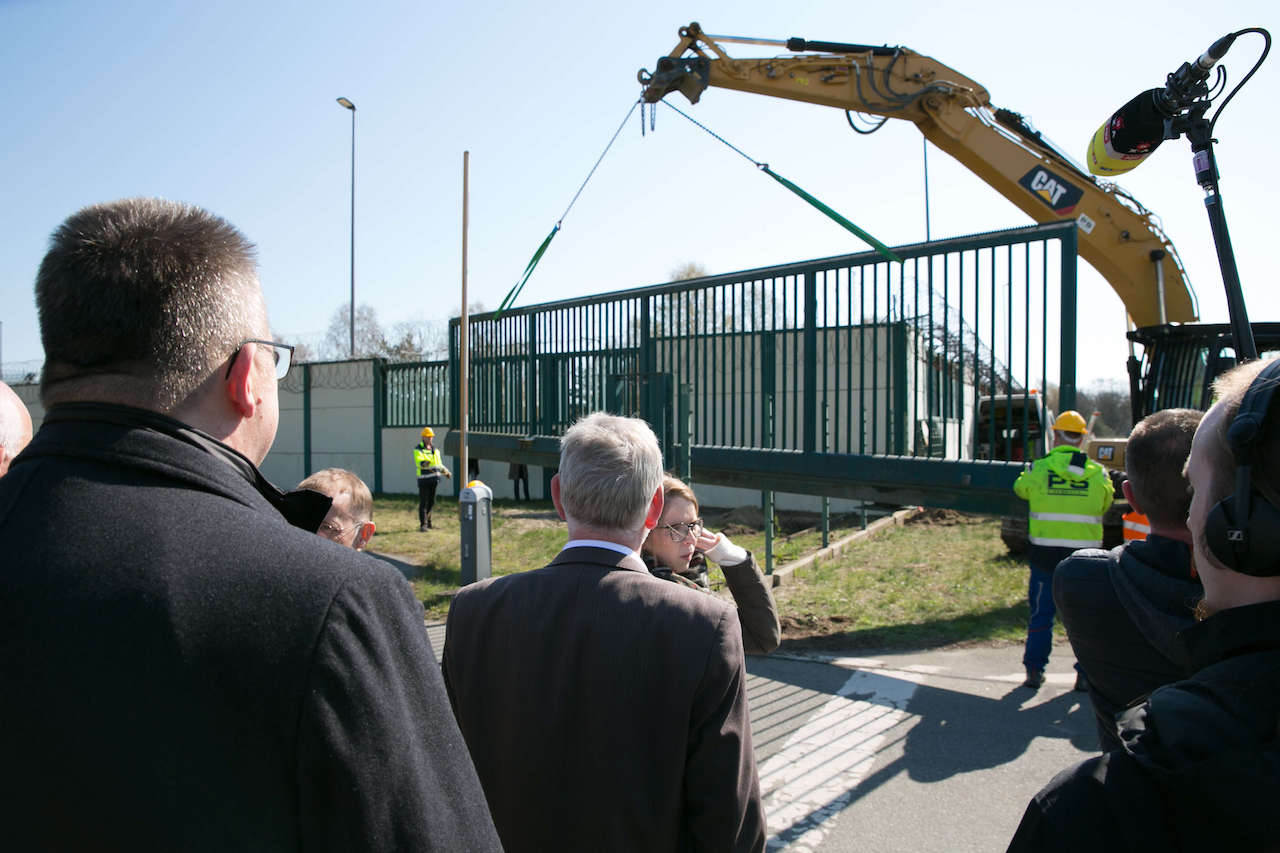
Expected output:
(605, 708)
(183, 667)
(350, 518)
(15, 426)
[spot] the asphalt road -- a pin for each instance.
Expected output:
(918, 751)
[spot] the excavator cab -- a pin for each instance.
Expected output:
(1011, 428)
(1180, 362)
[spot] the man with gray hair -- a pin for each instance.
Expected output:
(183, 668)
(605, 708)
(15, 426)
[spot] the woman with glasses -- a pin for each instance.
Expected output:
(674, 551)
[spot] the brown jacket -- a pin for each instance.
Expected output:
(757, 612)
(605, 709)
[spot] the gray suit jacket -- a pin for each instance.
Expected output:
(605, 709)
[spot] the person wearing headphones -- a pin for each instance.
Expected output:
(1068, 493)
(1199, 764)
(349, 520)
(429, 467)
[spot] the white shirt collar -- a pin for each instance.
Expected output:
(597, 543)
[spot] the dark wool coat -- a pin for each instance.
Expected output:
(606, 709)
(1199, 768)
(1123, 610)
(182, 670)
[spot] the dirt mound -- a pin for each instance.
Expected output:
(944, 518)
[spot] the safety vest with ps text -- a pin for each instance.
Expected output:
(1068, 493)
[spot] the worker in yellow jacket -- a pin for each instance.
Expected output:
(1068, 493)
(429, 468)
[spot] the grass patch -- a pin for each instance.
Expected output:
(526, 535)
(946, 580)
(943, 580)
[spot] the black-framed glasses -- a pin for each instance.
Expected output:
(680, 531)
(282, 353)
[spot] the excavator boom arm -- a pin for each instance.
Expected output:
(1120, 238)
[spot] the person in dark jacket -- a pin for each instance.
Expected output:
(182, 668)
(674, 550)
(1199, 764)
(1123, 608)
(606, 709)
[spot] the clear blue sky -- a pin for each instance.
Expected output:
(230, 105)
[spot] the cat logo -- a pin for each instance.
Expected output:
(1052, 189)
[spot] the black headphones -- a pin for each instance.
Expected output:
(1243, 529)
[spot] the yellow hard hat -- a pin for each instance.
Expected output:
(1070, 421)
(428, 432)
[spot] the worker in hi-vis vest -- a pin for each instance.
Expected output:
(1136, 526)
(429, 468)
(1068, 493)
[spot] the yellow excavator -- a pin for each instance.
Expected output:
(1117, 235)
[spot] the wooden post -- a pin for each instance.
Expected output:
(464, 348)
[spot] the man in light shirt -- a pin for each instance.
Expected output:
(605, 708)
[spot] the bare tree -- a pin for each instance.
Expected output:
(687, 270)
(302, 353)
(370, 341)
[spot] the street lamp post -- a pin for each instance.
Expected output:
(346, 104)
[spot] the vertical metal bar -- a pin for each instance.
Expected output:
(752, 400)
(1008, 344)
(948, 392)
(379, 416)
(455, 391)
(531, 373)
(717, 369)
(767, 494)
(306, 420)
(796, 373)
(992, 368)
(849, 335)
(931, 368)
(811, 362)
(900, 426)
(1067, 365)
(875, 354)
(686, 432)
(1026, 345)
(862, 353)
(826, 501)
(1044, 324)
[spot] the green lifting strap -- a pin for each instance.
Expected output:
(834, 216)
(510, 298)
(764, 167)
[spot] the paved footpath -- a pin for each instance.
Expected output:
(914, 751)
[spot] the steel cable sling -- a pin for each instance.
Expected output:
(817, 203)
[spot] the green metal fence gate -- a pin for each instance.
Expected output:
(846, 376)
